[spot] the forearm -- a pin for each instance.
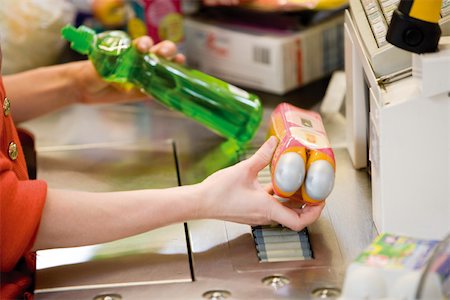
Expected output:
(39, 91)
(73, 218)
(234, 194)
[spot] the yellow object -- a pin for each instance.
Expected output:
(292, 5)
(415, 26)
(110, 13)
(426, 10)
(136, 28)
(314, 155)
(330, 4)
(171, 27)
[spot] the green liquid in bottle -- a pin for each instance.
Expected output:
(225, 109)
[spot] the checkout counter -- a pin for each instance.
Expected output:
(144, 145)
(137, 146)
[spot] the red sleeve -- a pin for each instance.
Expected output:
(21, 205)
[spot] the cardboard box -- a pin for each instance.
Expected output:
(265, 60)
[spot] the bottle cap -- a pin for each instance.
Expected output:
(81, 39)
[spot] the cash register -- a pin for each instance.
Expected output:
(398, 111)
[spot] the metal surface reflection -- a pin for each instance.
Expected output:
(113, 167)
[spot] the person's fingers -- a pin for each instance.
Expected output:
(269, 188)
(296, 219)
(310, 213)
(166, 49)
(263, 156)
(180, 59)
(286, 216)
(143, 43)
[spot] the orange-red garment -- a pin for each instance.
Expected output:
(21, 204)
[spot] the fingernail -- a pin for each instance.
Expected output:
(164, 50)
(144, 45)
(273, 141)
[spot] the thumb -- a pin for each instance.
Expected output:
(263, 156)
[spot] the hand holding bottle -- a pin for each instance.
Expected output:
(91, 88)
(225, 109)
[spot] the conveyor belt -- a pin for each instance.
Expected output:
(281, 244)
(276, 243)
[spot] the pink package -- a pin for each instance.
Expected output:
(164, 20)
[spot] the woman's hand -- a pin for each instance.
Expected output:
(91, 88)
(234, 194)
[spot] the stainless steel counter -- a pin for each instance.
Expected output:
(125, 147)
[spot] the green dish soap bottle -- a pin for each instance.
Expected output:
(225, 109)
